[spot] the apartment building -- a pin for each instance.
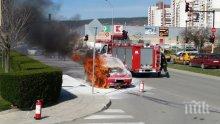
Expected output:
(196, 19)
(178, 14)
(159, 15)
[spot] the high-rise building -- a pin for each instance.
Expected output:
(159, 15)
(0, 12)
(179, 16)
(195, 19)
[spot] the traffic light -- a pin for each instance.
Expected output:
(124, 35)
(187, 7)
(86, 38)
(212, 38)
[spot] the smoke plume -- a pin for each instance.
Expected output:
(49, 34)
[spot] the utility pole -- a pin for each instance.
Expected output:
(112, 18)
(213, 26)
(93, 62)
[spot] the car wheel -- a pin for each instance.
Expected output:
(190, 64)
(203, 66)
(159, 74)
(184, 62)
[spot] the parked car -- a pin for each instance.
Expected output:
(189, 50)
(184, 58)
(206, 61)
(119, 75)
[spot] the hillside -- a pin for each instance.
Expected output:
(140, 21)
(135, 21)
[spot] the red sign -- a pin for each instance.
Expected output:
(213, 30)
(161, 42)
(118, 28)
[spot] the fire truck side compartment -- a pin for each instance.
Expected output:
(121, 53)
(146, 56)
(128, 57)
(136, 58)
(114, 51)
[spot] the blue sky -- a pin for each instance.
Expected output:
(90, 9)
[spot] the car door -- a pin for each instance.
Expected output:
(202, 59)
(198, 60)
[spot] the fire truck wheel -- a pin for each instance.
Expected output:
(158, 74)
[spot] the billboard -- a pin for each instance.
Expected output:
(163, 31)
(150, 30)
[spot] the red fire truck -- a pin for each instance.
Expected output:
(138, 58)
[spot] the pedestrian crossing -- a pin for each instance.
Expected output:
(111, 116)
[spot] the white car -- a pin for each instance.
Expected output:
(192, 50)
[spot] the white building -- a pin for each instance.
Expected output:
(205, 19)
(179, 16)
(159, 15)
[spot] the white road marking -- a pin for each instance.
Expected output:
(114, 111)
(108, 117)
(120, 123)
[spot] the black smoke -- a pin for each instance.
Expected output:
(48, 34)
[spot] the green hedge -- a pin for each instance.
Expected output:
(30, 80)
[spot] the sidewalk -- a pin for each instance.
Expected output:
(76, 101)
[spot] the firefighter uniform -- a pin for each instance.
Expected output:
(163, 65)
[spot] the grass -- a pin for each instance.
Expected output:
(4, 105)
(213, 72)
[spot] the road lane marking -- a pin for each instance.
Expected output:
(114, 111)
(120, 123)
(93, 117)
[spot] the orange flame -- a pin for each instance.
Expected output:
(100, 77)
(76, 57)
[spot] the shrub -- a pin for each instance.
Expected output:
(29, 81)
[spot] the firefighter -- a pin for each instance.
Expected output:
(163, 65)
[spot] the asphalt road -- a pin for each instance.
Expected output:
(162, 103)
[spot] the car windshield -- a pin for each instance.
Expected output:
(192, 54)
(116, 70)
(112, 62)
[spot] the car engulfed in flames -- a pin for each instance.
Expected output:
(118, 75)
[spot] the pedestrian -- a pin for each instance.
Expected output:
(163, 65)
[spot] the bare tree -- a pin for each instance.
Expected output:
(196, 36)
(14, 27)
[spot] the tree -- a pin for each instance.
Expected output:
(13, 29)
(198, 36)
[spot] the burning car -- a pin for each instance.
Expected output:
(118, 75)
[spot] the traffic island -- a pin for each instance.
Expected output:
(75, 102)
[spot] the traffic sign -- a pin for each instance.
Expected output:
(213, 29)
(106, 28)
(118, 28)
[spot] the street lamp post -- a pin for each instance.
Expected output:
(93, 61)
(112, 18)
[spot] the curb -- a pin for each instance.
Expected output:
(195, 74)
(106, 106)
